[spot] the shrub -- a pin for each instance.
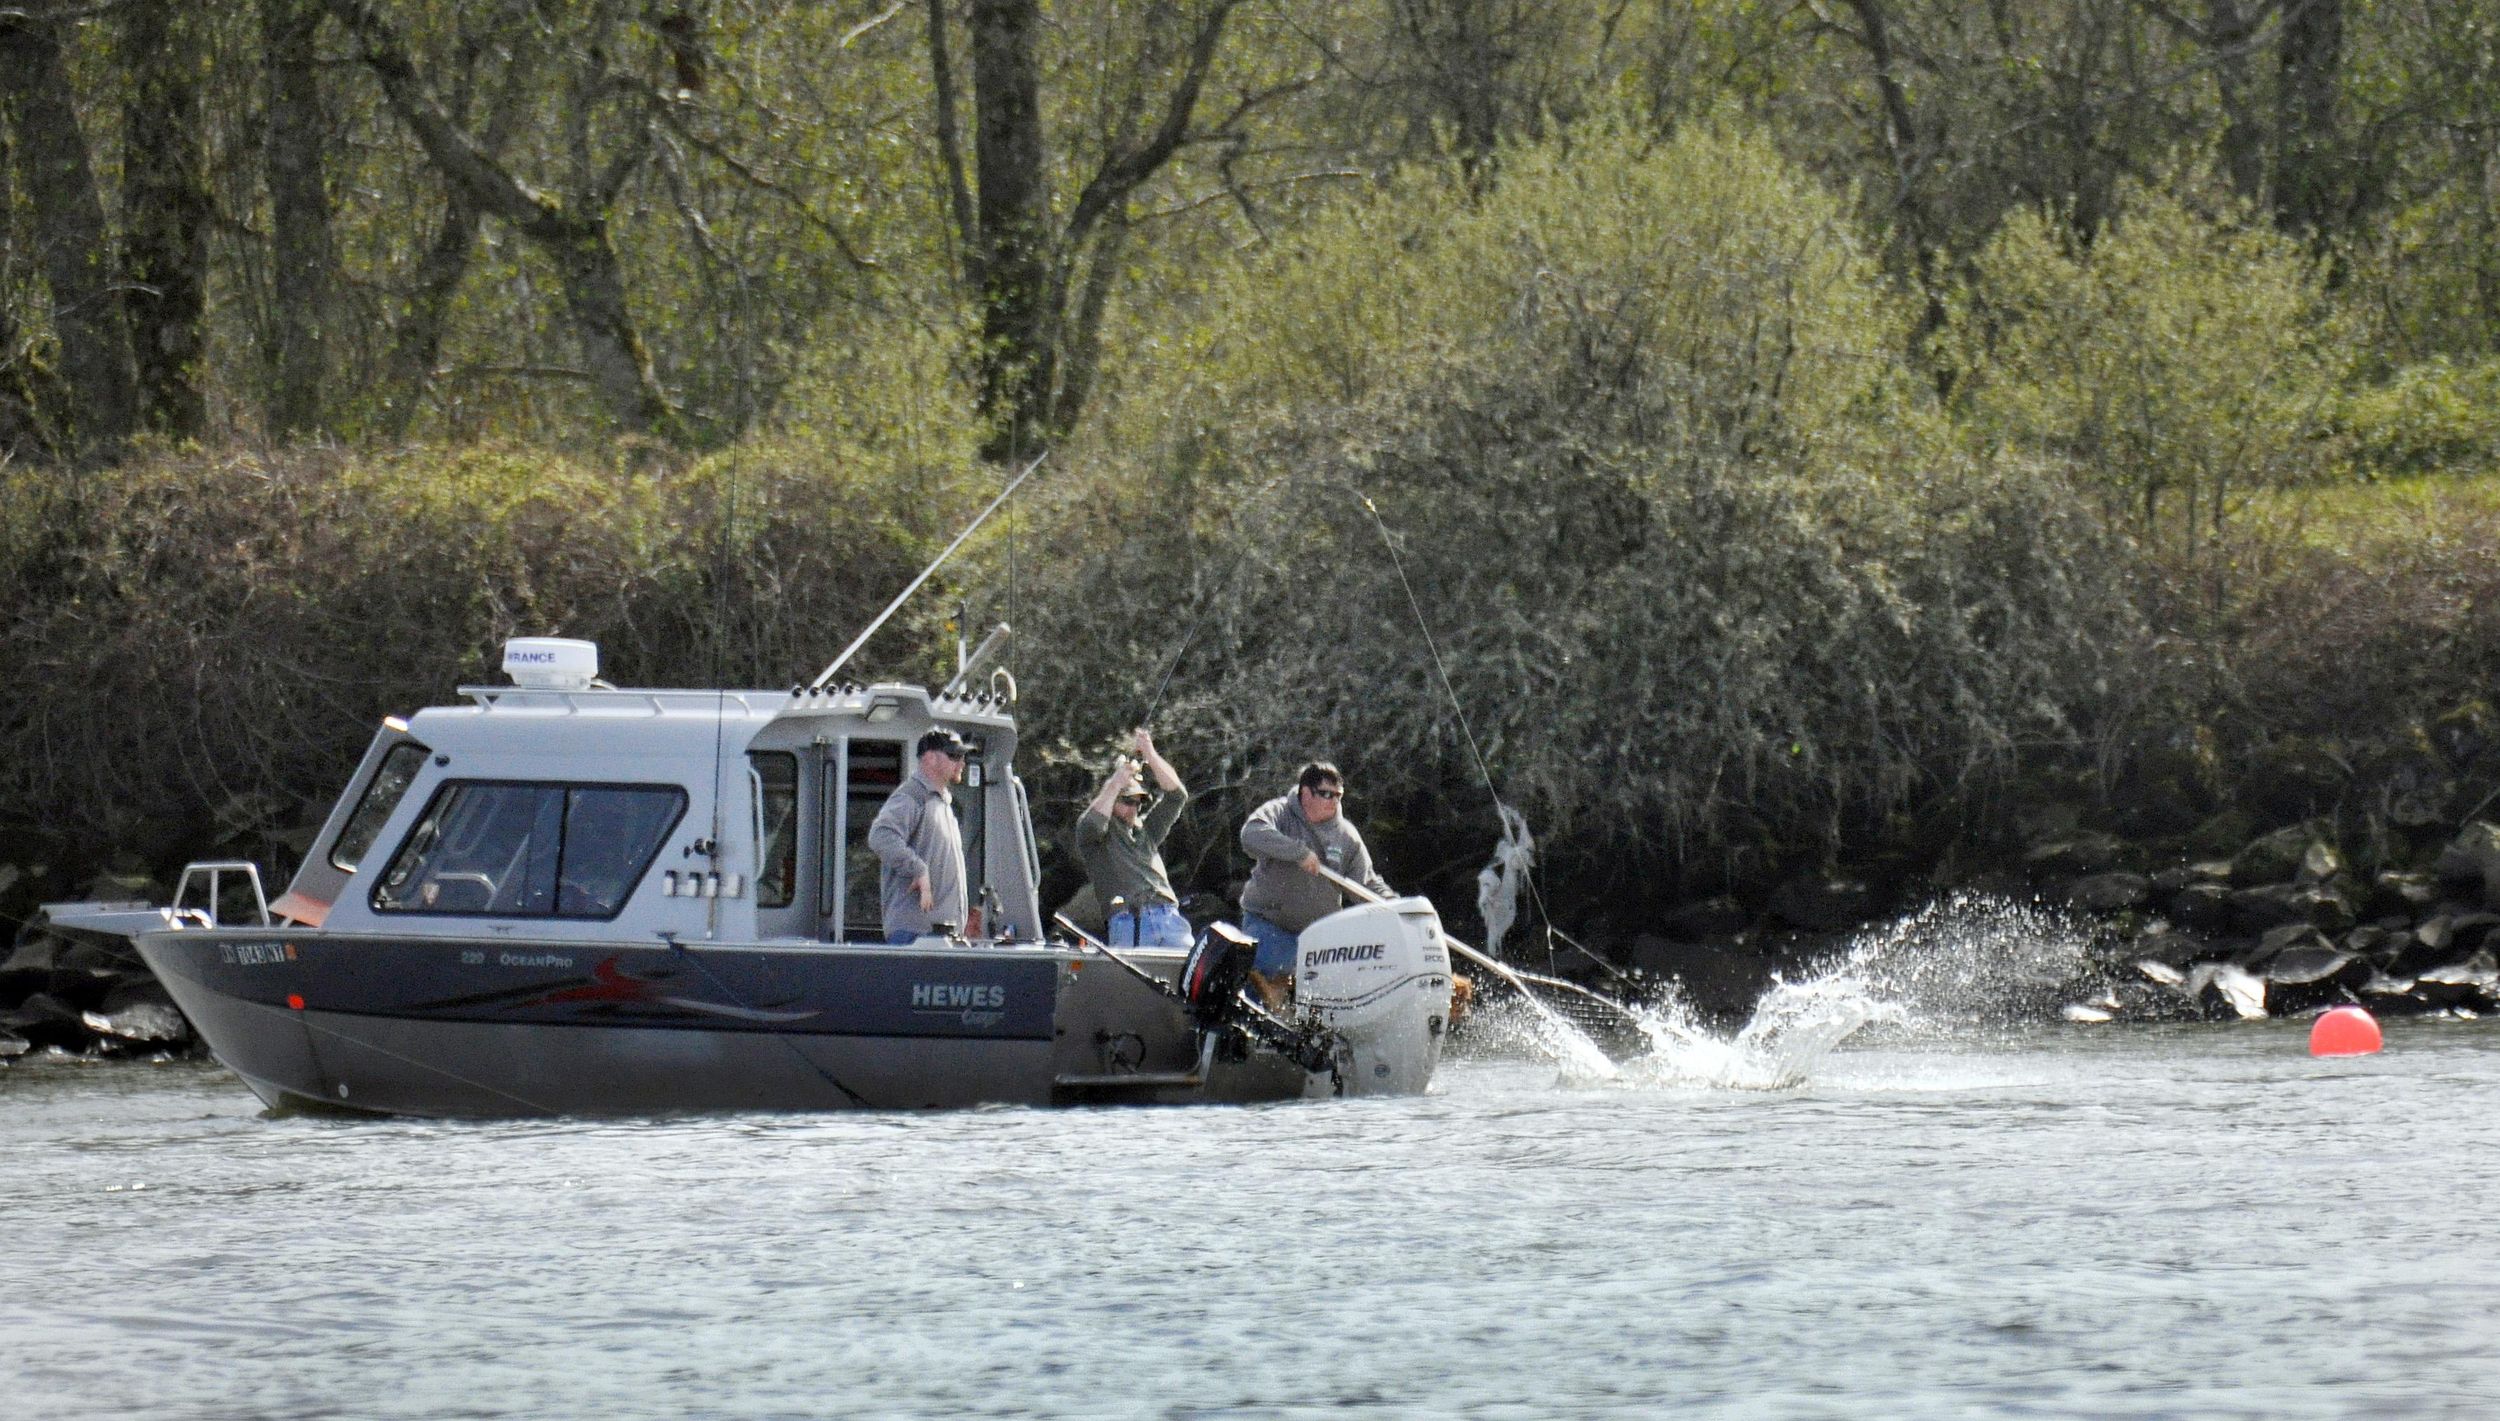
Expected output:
(2179, 362)
(1711, 583)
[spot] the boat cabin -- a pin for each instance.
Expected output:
(561, 807)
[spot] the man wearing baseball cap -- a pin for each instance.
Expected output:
(1120, 841)
(919, 848)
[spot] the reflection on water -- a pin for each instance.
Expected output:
(1933, 1213)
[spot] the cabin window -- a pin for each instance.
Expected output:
(776, 827)
(390, 785)
(529, 850)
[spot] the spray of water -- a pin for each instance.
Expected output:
(1956, 967)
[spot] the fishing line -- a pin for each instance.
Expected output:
(1206, 604)
(1459, 708)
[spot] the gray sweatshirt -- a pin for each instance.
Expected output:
(915, 833)
(1277, 836)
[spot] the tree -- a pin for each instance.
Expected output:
(303, 250)
(569, 227)
(1041, 280)
(57, 176)
(2308, 148)
(165, 213)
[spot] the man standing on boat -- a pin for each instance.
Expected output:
(1121, 843)
(1293, 837)
(920, 850)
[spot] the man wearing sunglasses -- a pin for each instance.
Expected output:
(919, 849)
(1291, 838)
(1120, 842)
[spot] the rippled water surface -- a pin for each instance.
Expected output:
(2176, 1222)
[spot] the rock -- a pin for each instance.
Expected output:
(2176, 950)
(2086, 1014)
(2472, 860)
(2380, 985)
(2472, 929)
(2258, 909)
(1710, 920)
(2277, 857)
(2205, 907)
(2240, 990)
(138, 1012)
(2364, 941)
(2086, 852)
(2293, 778)
(45, 1020)
(2462, 982)
(2223, 834)
(1823, 902)
(2288, 937)
(2409, 894)
(1718, 981)
(2463, 734)
(2173, 879)
(2435, 933)
(36, 951)
(2404, 954)
(2324, 906)
(2110, 892)
(2320, 862)
(2418, 808)
(2307, 963)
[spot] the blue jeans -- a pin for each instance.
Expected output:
(901, 937)
(1162, 926)
(1278, 947)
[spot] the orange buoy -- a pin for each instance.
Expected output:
(2344, 1031)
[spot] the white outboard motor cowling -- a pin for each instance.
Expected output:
(1378, 977)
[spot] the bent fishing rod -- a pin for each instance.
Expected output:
(1459, 708)
(825, 677)
(1518, 980)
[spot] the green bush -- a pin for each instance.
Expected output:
(2180, 362)
(202, 643)
(2432, 417)
(1712, 583)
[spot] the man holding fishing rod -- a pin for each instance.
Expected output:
(1292, 838)
(1120, 841)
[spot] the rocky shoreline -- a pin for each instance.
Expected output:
(2284, 926)
(85, 995)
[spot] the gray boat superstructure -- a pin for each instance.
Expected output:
(565, 897)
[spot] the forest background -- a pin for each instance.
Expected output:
(1858, 437)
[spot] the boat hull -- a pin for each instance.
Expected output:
(461, 1027)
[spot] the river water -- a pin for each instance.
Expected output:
(1924, 1216)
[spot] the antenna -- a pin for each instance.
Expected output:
(825, 677)
(969, 665)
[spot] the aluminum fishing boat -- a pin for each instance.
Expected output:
(563, 897)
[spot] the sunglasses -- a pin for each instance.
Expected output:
(955, 755)
(1329, 793)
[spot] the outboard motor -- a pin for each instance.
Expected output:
(1377, 977)
(1214, 973)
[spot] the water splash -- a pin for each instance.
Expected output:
(1964, 964)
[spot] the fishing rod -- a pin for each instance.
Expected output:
(1460, 708)
(825, 676)
(1517, 979)
(1280, 1033)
